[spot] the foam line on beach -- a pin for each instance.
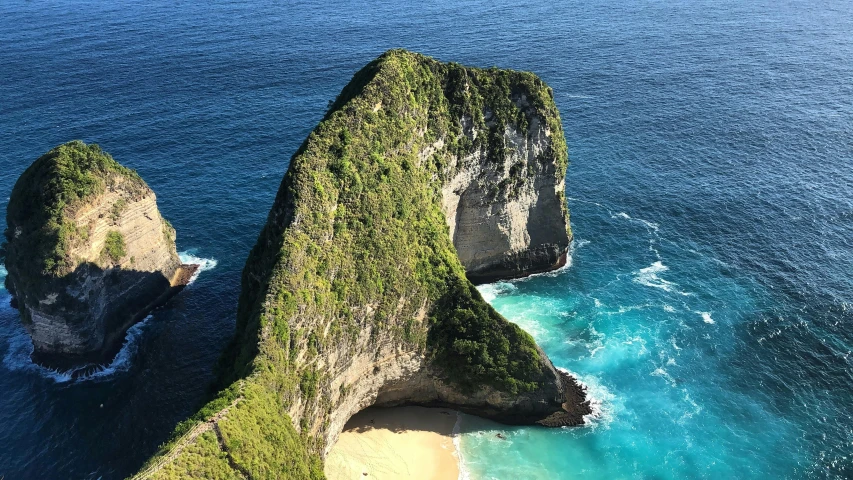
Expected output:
(457, 444)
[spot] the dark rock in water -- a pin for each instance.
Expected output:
(87, 253)
(423, 177)
(13, 302)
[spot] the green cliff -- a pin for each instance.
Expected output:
(355, 295)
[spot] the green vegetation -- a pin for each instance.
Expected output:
(117, 209)
(114, 246)
(45, 198)
(356, 242)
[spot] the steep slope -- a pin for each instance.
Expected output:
(354, 294)
(87, 251)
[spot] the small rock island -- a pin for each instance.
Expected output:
(422, 178)
(88, 254)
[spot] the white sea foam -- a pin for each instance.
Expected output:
(706, 317)
(650, 225)
(204, 264)
(539, 332)
(551, 273)
(122, 360)
(695, 408)
(601, 401)
(491, 291)
(456, 435)
(649, 277)
(19, 357)
(660, 372)
(669, 309)
(580, 243)
(674, 345)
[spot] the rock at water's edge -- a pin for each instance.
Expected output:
(87, 253)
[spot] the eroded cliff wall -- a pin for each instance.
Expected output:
(354, 294)
(505, 207)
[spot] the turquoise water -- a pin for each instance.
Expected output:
(709, 303)
(655, 345)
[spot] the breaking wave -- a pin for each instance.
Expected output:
(204, 264)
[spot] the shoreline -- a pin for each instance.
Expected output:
(398, 443)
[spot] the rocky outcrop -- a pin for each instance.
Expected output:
(88, 254)
(356, 292)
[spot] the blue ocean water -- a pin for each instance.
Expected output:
(709, 302)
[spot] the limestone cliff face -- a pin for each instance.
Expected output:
(507, 215)
(88, 253)
(356, 292)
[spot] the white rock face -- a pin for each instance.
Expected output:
(149, 240)
(509, 221)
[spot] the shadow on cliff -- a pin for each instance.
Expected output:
(127, 297)
(403, 419)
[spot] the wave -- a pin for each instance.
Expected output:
(122, 360)
(602, 401)
(19, 357)
(652, 226)
(706, 317)
(456, 435)
(491, 291)
(661, 372)
(649, 277)
(5, 298)
(204, 264)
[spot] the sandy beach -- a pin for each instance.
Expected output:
(396, 443)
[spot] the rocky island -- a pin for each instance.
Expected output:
(422, 177)
(87, 254)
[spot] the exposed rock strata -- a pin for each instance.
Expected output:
(88, 254)
(516, 230)
(354, 294)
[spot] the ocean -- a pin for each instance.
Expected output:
(708, 304)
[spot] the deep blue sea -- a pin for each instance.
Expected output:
(708, 305)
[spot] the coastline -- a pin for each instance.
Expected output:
(397, 443)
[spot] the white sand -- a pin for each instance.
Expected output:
(396, 443)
